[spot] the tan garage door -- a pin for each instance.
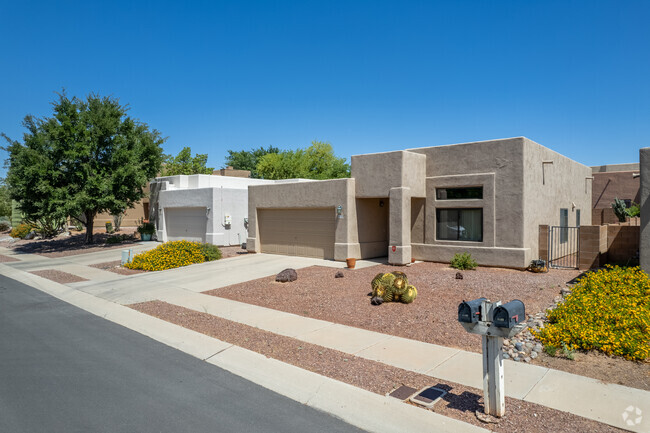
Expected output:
(188, 223)
(298, 232)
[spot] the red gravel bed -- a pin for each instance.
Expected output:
(7, 259)
(461, 402)
(116, 267)
(432, 317)
(232, 251)
(59, 276)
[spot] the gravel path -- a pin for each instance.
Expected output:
(461, 402)
(58, 276)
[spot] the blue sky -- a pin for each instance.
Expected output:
(366, 76)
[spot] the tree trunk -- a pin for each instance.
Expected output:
(90, 218)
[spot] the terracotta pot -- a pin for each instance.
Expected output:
(351, 263)
(412, 260)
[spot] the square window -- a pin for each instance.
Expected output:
(459, 224)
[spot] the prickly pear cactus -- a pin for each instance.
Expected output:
(393, 287)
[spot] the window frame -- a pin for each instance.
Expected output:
(458, 211)
(457, 188)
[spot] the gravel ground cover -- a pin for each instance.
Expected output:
(116, 267)
(7, 259)
(432, 317)
(232, 251)
(461, 402)
(58, 276)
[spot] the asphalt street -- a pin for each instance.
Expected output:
(65, 370)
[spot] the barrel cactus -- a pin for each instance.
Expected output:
(393, 287)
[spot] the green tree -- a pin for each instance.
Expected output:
(248, 159)
(5, 200)
(88, 158)
(316, 162)
(183, 163)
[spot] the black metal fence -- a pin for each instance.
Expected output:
(563, 247)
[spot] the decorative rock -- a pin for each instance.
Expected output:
(565, 292)
(339, 274)
(30, 235)
(533, 355)
(377, 300)
(506, 356)
(516, 358)
(287, 275)
(527, 359)
(459, 276)
(529, 345)
(519, 346)
(538, 348)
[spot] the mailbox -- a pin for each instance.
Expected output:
(470, 311)
(509, 314)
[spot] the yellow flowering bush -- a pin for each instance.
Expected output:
(174, 254)
(608, 310)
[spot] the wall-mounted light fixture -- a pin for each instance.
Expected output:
(381, 203)
(207, 211)
(339, 212)
(635, 175)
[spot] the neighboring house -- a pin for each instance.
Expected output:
(486, 198)
(610, 182)
(203, 208)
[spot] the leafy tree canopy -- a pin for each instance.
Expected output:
(88, 158)
(316, 162)
(183, 163)
(248, 159)
(5, 200)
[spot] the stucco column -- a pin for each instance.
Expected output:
(644, 192)
(399, 223)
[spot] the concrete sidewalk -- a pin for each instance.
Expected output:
(579, 395)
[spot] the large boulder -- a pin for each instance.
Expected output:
(287, 275)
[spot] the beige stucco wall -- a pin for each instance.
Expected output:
(377, 173)
(497, 166)
(548, 187)
(131, 217)
(315, 194)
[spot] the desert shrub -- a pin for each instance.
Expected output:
(4, 226)
(210, 252)
(620, 210)
(21, 231)
(146, 228)
(109, 227)
(173, 255)
(607, 310)
(463, 261)
(634, 210)
(48, 227)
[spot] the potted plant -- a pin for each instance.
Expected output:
(351, 262)
(146, 230)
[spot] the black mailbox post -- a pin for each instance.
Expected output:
(510, 314)
(470, 311)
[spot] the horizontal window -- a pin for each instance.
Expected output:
(459, 225)
(474, 192)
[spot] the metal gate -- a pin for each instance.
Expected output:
(564, 247)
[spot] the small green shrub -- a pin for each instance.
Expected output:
(109, 227)
(4, 226)
(21, 231)
(550, 350)
(568, 353)
(463, 261)
(620, 209)
(147, 228)
(78, 226)
(174, 254)
(634, 210)
(211, 252)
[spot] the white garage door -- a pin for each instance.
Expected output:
(298, 232)
(186, 223)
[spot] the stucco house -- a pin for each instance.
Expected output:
(203, 208)
(487, 198)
